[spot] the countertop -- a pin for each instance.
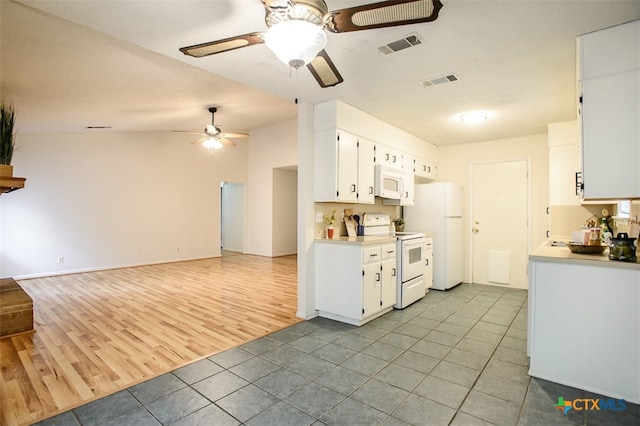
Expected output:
(547, 253)
(363, 241)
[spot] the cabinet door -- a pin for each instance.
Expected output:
(425, 168)
(366, 167)
(428, 266)
(610, 135)
(388, 285)
(409, 178)
(609, 51)
(371, 281)
(388, 155)
(563, 164)
(347, 167)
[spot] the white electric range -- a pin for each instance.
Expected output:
(411, 250)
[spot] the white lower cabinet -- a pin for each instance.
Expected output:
(354, 283)
(584, 326)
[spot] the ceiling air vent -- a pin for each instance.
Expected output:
(398, 45)
(439, 80)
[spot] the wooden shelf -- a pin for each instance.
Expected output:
(8, 184)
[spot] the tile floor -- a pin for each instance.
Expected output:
(453, 358)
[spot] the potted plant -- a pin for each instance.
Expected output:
(329, 221)
(399, 224)
(7, 138)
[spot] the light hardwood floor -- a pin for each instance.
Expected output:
(99, 332)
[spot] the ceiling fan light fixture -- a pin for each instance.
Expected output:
(212, 143)
(295, 42)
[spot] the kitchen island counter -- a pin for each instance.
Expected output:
(548, 253)
(584, 322)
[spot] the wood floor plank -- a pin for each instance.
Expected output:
(100, 332)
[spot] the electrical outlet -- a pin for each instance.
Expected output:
(319, 217)
(60, 259)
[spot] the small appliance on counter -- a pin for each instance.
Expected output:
(622, 248)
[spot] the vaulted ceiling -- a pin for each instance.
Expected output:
(68, 64)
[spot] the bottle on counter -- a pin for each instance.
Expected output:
(605, 232)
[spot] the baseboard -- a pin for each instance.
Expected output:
(104, 268)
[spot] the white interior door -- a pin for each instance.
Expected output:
(499, 220)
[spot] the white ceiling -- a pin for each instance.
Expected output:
(71, 64)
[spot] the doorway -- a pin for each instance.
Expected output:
(232, 217)
(500, 217)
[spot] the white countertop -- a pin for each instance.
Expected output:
(547, 253)
(363, 241)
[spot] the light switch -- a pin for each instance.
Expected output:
(319, 217)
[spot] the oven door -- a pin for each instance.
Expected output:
(413, 258)
(409, 292)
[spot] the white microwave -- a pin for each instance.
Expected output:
(389, 182)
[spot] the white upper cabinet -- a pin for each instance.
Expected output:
(337, 168)
(564, 163)
(366, 175)
(348, 143)
(609, 51)
(425, 168)
(388, 156)
(609, 74)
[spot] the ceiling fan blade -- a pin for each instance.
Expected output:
(188, 133)
(382, 14)
(199, 140)
(233, 135)
(224, 45)
(324, 71)
(227, 141)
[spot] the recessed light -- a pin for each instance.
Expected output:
(473, 117)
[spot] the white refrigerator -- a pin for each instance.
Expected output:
(437, 210)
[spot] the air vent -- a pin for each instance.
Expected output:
(398, 45)
(439, 80)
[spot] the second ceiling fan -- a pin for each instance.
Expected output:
(213, 136)
(296, 30)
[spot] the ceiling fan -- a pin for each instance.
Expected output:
(296, 30)
(213, 136)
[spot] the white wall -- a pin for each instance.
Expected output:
(113, 199)
(270, 147)
(454, 165)
(285, 212)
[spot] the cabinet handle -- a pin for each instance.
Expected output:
(429, 169)
(370, 190)
(579, 183)
(377, 276)
(424, 168)
(386, 157)
(393, 272)
(390, 251)
(426, 262)
(394, 159)
(353, 188)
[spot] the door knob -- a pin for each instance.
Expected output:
(476, 230)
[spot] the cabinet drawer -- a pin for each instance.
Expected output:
(388, 251)
(371, 254)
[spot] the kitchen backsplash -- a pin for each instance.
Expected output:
(565, 219)
(326, 208)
